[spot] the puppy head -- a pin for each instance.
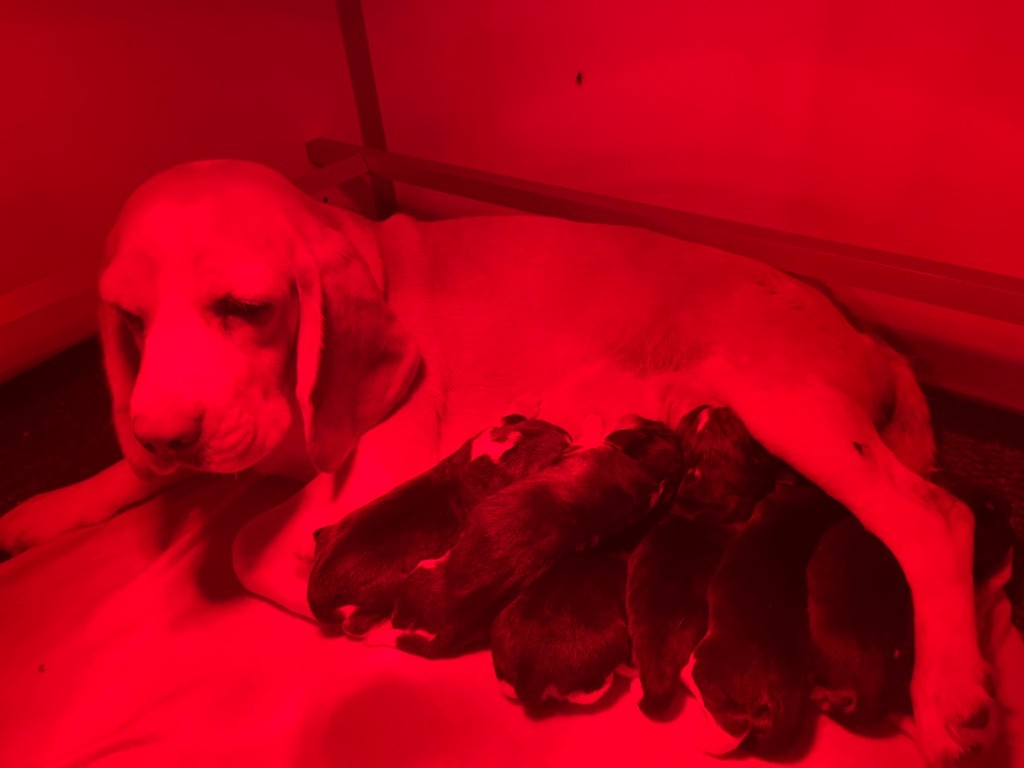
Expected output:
(750, 692)
(653, 445)
(516, 442)
(233, 305)
(724, 465)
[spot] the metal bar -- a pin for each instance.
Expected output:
(333, 175)
(364, 90)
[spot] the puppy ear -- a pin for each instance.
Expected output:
(121, 358)
(355, 363)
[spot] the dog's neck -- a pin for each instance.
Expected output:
(361, 232)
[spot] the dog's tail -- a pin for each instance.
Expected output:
(908, 432)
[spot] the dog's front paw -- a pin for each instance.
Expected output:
(40, 519)
(955, 716)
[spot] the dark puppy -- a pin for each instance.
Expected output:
(667, 599)
(513, 536)
(726, 471)
(361, 561)
(861, 614)
(564, 636)
(861, 624)
(752, 670)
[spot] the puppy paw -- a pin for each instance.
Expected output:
(955, 716)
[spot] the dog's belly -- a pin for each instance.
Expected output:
(597, 389)
(582, 319)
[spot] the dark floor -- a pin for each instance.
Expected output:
(55, 422)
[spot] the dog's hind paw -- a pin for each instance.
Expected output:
(955, 716)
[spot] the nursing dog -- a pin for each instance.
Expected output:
(246, 325)
(511, 537)
(361, 561)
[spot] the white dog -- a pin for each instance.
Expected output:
(245, 325)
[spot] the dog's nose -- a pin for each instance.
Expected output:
(168, 434)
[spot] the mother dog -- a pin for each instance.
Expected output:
(245, 325)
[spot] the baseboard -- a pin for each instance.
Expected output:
(44, 317)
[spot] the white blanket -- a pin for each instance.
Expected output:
(131, 644)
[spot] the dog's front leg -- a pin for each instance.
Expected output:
(273, 553)
(46, 516)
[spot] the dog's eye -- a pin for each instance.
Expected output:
(246, 310)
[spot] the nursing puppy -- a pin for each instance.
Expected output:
(726, 473)
(667, 600)
(564, 636)
(861, 612)
(512, 536)
(360, 562)
(752, 669)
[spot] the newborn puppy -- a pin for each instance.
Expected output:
(360, 562)
(861, 625)
(512, 536)
(667, 599)
(564, 636)
(752, 669)
(861, 613)
(726, 471)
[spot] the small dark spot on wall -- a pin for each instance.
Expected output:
(858, 447)
(325, 199)
(42, 668)
(579, 78)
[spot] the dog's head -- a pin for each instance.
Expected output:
(231, 305)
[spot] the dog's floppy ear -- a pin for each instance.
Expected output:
(355, 363)
(121, 358)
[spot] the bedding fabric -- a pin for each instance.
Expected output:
(132, 644)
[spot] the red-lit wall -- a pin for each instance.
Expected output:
(96, 96)
(894, 125)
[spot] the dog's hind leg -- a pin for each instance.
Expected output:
(831, 439)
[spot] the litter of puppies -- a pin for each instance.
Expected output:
(689, 557)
